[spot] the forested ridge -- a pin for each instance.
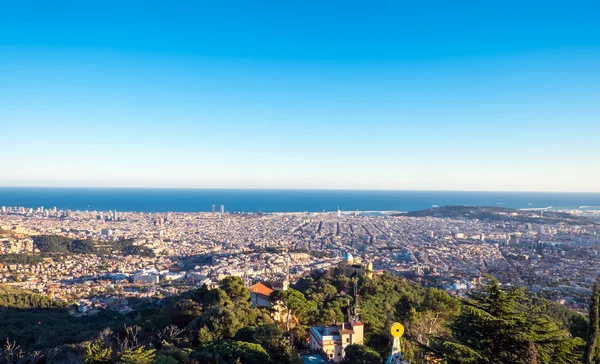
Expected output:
(493, 325)
(62, 244)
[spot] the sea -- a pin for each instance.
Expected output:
(271, 201)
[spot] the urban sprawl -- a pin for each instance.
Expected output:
(559, 261)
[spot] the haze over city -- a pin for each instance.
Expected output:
(335, 95)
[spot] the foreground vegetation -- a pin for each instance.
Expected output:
(495, 325)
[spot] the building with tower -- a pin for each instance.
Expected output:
(260, 293)
(331, 341)
(283, 285)
(222, 209)
(349, 267)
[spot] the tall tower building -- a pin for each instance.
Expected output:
(3, 209)
(213, 208)
(222, 209)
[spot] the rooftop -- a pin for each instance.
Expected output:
(260, 288)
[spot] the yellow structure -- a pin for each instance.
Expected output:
(349, 267)
(332, 340)
(396, 330)
(369, 270)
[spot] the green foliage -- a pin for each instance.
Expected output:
(270, 337)
(11, 297)
(45, 328)
(39, 322)
(384, 299)
(230, 352)
(592, 350)
(184, 311)
(20, 259)
(295, 302)
(235, 289)
(97, 352)
(129, 249)
(165, 359)
(494, 328)
(61, 244)
(493, 213)
(217, 316)
(140, 355)
(218, 325)
(361, 354)
(576, 323)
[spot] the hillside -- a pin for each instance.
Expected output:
(220, 326)
(500, 214)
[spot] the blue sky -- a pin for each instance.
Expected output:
(471, 95)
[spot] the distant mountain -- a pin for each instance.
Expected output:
(500, 214)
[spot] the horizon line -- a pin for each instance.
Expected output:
(291, 189)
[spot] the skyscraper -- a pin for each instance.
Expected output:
(222, 209)
(213, 208)
(3, 209)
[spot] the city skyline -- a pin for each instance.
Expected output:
(482, 97)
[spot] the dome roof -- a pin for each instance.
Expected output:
(348, 257)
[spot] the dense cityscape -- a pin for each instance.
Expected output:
(557, 260)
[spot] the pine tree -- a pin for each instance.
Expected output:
(495, 328)
(592, 351)
(138, 356)
(97, 352)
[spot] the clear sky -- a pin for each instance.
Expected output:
(454, 95)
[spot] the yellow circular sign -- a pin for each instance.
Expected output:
(397, 329)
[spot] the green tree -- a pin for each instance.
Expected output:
(183, 312)
(165, 359)
(235, 289)
(270, 337)
(493, 328)
(138, 356)
(592, 351)
(230, 351)
(361, 354)
(294, 301)
(218, 323)
(97, 352)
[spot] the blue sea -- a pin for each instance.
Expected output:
(238, 200)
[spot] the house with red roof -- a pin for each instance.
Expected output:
(260, 295)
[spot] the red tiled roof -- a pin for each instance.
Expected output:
(345, 329)
(358, 323)
(260, 289)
